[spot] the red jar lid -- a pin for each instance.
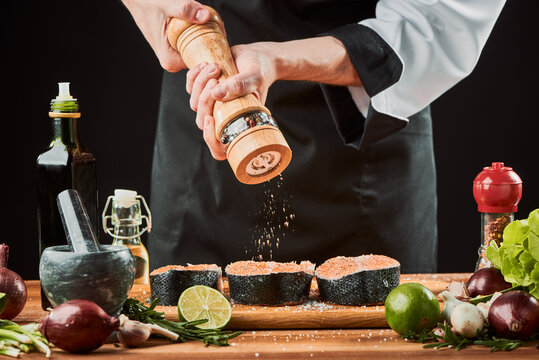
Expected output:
(497, 189)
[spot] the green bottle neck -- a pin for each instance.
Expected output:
(65, 131)
(64, 115)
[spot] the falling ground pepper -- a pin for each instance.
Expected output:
(272, 221)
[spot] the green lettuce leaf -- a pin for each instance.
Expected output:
(515, 232)
(533, 245)
(514, 251)
(493, 255)
(517, 256)
(534, 288)
(528, 264)
(533, 221)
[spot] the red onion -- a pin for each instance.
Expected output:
(486, 281)
(514, 315)
(12, 285)
(78, 326)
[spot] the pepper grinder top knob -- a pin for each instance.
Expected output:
(255, 147)
(497, 189)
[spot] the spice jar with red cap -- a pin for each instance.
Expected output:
(497, 190)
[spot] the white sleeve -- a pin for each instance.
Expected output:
(438, 43)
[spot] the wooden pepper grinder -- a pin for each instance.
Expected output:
(255, 147)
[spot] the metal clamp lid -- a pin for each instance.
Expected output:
(148, 219)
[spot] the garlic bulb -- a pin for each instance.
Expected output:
(467, 320)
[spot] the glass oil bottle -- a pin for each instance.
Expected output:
(126, 218)
(65, 164)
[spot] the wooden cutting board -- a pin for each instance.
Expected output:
(313, 314)
(341, 344)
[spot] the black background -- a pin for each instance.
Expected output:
(95, 45)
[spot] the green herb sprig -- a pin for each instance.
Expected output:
(15, 338)
(450, 339)
(484, 298)
(186, 330)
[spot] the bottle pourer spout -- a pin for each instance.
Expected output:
(63, 91)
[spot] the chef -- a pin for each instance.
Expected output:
(349, 84)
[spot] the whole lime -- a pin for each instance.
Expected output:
(410, 308)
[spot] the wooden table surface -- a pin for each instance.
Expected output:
(375, 343)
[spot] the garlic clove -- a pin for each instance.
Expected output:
(449, 304)
(439, 332)
(134, 333)
(458, 289)
(485, 307)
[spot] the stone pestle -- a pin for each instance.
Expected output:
(79, 233)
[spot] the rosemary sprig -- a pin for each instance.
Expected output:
(186, 330)
(450, 339)
(499, 344)
(422, 337)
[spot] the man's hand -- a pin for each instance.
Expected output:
(322, 59)
(152, 18)
(256, 74)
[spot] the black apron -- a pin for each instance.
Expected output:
(340, 195)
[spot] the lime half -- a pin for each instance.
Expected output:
(3, 300)
(203, 302)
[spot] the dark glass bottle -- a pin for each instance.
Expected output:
(67, 164)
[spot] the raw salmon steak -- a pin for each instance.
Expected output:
(361, 280)
(167, 283)
(269, 282)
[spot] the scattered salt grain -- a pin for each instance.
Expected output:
(313, 305)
